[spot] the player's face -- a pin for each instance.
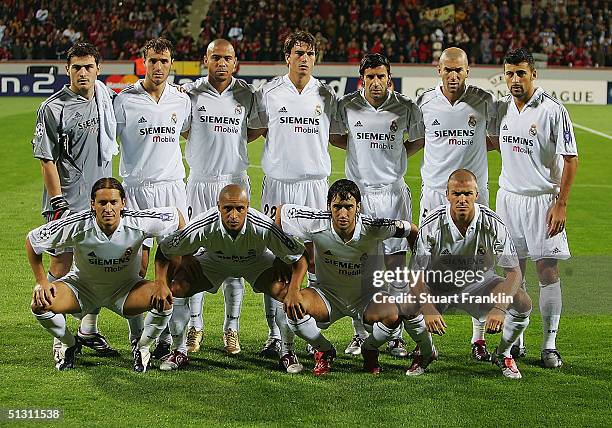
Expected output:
(83, 72)
(301, 59)
(519, 79)
(453, 73)
(344, 214)
(220, 62)
(376, 82)
(107, 206)
(462, 196)
(233, 213)
(157, 66)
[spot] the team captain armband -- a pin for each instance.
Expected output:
(402, 229)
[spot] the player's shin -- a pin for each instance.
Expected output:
(550, 307)
(233, 293)
(478, 330)
(380, 334)
(270, 306)
(196, 303)
(154, 325)
(307, 329)
(417, 330)
(55, 324)
(136, 326)
(287, 334)
(515, 323)
(359, 328)
(178, 323)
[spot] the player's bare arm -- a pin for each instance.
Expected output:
(293, 303)
(492, 143)
(433, 319)
(557, 215)
(495, 318)
(339, 141)
(44, 291)
(253, 134)
(51, 178)
(413, 147)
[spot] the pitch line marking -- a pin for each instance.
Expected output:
(593, 131)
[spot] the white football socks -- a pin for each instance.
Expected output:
(515, 323)
(196, 303)
(307, 329)
(550, 308)
(55, 324)
(270, 306)
(359, 328)
(478, 330)
(417, 330)
(380, 334)
(178, 323)
(286, 333)
(155, 323)
(136, 327)
(233, 293)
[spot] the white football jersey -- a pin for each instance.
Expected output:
(298, 129)
(217, 143)
(455, 135)
(441, 246)
(107, 262)
(150, 133)
(345, 269)
(375, 153)
(533, 143)
(259, 235)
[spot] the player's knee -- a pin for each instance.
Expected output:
(385, 313)
(179, 288)
(408, 310)
(522, 302)
(548, 273)
(37, 310)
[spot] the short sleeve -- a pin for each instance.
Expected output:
(261, 109)
(45, 143)
(189, 239)
(56, 234)
(187, 121)
(301, 221)
(339, 122)
(563, 133)
(491, 116)
(504, 248)
(158, 222)
(415, 126)
(119, 114)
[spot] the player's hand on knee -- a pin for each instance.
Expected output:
(495, 320)
(59, 207)
(294, 305)
(162, 297)
(435, 323)
(44, 295)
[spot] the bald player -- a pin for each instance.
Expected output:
(458, 247)
(236, 241)
(458, 118)
(222, 108)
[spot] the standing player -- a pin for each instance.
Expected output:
(75, 141)
(222, 107)
(375, 120)
(107, 244)
(457, 119)
(348, 249)
(297, 110)
(151, 114)
(539, 162)
(467, 240)
(236, 241)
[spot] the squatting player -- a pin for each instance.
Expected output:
(75, 141)
(457, 118)
(151, 114)
(297, 110)
(348, 249)
(375, 120)
(107, 244)
(222, 107)
(236, 241)
(539, 162)
(466, 239)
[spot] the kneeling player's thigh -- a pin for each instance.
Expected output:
(65, 302)
(189, 278)
(381, 312)
(138, 299)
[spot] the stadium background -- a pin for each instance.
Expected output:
(246, 389)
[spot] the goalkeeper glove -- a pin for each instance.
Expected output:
(59, 208)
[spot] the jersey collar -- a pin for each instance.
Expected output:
(311, 83)
(535, 98)
(141, 89)
(212, 89)
(454, 231)
(75, 95)
(367, 103)
(439, 93)
(103, 235)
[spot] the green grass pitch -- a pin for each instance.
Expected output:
(218, 390)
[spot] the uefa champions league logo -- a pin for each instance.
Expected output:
(175, 241)
(44, 233)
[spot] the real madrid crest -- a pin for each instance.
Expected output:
(238, 109)
(472, 120)
(173, 118)
(318, 110)
(393, 126)
(363, 257)
(533, 130)
(128, 252)
(481, 250)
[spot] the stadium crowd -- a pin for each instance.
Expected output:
(571, 32)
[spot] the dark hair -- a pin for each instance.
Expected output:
(80, 49)
(516, 56)
(107, 183)
(158, 45)
(299, 36)
(344, 189)
(373, 60)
